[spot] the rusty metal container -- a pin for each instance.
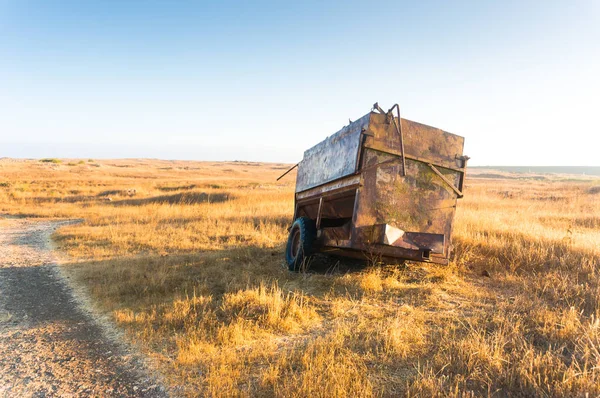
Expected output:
(381, 186)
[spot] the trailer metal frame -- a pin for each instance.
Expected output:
(383, 186)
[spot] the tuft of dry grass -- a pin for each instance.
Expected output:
(187, 257)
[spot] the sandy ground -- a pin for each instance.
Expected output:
(49, 345)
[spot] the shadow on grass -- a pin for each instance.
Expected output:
(141, 282)
(185, 198)
(177, 188)
(257, 221)
(327, 264)
(64, 199)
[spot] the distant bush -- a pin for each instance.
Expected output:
(71, 164)
(90, 160)
(81, 162)
(4, 184)
(51, 160)
(594, 190)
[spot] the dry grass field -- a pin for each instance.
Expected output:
(187, 258)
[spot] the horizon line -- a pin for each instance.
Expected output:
(258, 161)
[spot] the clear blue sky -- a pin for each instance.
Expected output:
(266, 80)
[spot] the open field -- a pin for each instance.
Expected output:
(187, 258)
(579, 171)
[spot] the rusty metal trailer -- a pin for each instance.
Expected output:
(381, 186)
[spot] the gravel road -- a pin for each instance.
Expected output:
(49, 345)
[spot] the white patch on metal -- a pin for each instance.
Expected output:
(333, 158)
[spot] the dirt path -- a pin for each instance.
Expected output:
(50, 346)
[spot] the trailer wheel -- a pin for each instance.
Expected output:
(300, 243)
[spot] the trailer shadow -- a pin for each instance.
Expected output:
(323, 264)
(138, 282)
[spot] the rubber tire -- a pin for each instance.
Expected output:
(305, 230)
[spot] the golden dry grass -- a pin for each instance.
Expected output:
(190, 265)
